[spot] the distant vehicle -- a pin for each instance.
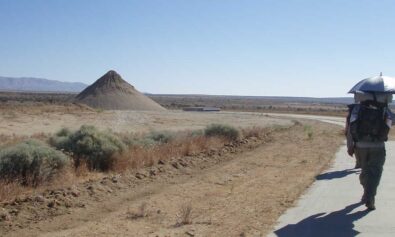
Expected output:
(202, 109)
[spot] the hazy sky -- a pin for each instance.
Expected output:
(241, 47)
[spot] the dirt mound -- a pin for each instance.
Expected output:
(112, 92)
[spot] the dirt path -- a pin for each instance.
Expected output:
(243, 194)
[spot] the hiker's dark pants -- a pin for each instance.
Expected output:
(372, 162)
(357, 161)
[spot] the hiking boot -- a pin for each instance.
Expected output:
(370, 205)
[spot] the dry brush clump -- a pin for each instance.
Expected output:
(98, 149)
(10, 189)
(161, 137)
(106, 151)
(182, 144)
(257, 132)
(309, 131)
(184, 215)
(147, 140)
(31, 163)
(222, 130)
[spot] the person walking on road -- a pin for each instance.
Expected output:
(367, 129)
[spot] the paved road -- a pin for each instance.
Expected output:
(331, 206)
(327, 119)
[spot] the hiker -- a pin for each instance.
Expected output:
(367, 129)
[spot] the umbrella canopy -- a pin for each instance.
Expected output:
(380, 84)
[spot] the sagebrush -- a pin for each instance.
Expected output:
(95, 148)
(31, 162)
(147, 140)
(222, 130)
(161, 137)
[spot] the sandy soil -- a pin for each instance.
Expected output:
(240, 193)
(26, 120)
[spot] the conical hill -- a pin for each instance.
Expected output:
(113, 93)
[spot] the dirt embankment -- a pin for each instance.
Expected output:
(239, 190)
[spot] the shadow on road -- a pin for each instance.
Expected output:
(338, 223)
(336, 174)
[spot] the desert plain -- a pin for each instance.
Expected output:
(225, 188)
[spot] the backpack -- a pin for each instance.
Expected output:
(368, 122)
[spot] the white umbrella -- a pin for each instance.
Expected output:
(379, 84)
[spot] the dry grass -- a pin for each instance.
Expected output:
(185, 215)
(258, 132)
(135, 157)
(9, 190)
(68, 177)
(140, 156)
(8, 140)
(82, 169)
(13, 109)
(40, 136)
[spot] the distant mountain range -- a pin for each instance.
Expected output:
(39, 85)
(30, 84)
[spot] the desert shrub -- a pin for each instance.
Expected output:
(196, 133)
(31, 162)
(96, 148)
(129, 140)
(132, 140)
(161, 137)
(61, 138)
(64, 132)
(309, 131)
(221, 130)
(147, 140)
(185, 215)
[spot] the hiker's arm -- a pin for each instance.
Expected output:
(346, 128)
(350, 142)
